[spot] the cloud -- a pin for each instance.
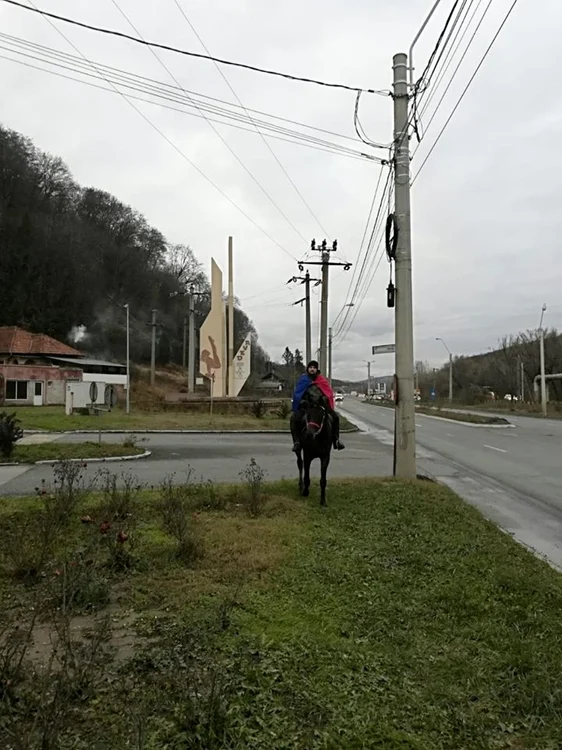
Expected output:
(485, 214)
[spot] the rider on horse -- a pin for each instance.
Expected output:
(312, 376)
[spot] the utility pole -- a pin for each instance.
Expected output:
(153, 324)
(543, 375)
(128, 395)
(368, 363)
(191, 355)
(306, 280)
(405, 431)
(325, 263)
(522, 374)
(184, 351)
(330, 356)
(230, 331)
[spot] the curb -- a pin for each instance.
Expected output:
(169, 432)
(51, 461)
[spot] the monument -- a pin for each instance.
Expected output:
(227, 372)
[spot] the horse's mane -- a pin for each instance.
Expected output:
(314, 395)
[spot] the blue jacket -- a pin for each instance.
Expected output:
(300, 389)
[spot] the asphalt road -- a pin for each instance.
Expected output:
(514, 476)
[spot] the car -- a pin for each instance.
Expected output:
(338, 396)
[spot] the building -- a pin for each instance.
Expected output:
(35, 368)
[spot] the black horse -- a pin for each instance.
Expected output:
(315, 440)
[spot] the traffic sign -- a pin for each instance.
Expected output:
(93, 393)
(384, 349)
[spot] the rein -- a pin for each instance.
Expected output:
(315, 424)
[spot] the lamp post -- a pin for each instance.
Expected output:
(438, 338)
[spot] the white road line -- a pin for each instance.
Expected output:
(418, 425)
(493, 448)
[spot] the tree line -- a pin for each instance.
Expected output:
(73, 256)
(499, 370)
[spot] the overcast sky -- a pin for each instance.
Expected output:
(486, 207)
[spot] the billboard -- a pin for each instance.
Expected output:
(241, 365)
(212, 340)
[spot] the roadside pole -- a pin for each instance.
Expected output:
(128, 397)
(543, 377)
(308, 331)
(330, 356)
(405, 432)
(191, 353)
(153, 350)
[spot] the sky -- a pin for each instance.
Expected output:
(486, 222)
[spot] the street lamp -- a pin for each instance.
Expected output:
(543, 376)
(128, 395)
(438, 338)
(368, 363)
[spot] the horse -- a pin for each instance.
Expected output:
(315, 441)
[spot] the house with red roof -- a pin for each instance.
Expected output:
(35, 368)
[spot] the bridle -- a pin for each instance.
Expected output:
(315, 424)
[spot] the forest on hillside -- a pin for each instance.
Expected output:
(498, 370)
(71, 257)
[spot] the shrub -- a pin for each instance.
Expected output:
(176, 509)
(259, 409)
(283, 410)
(10, 433)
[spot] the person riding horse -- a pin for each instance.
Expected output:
(313, 377)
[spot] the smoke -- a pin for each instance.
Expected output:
(77, 334)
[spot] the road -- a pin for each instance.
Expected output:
(514, 476)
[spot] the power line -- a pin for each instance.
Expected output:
(268, 146)
(471, 79)
(187, 53)
(162, 91)
(213, 128)
(168, 87)
(172, 144)
(432, 118)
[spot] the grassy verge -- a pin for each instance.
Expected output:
(446, 414)
(398, 619)
(464, 417)
(29, 454)
(54, 419)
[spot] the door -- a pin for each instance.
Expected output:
(38, 393)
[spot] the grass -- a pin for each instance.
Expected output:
(447, 414)
(464, 417)
(54, 419)
(397, 619)
(29, 454)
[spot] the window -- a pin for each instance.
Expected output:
(16, 390)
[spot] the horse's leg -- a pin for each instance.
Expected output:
(300, 465)
(324, 463)
(306, 485)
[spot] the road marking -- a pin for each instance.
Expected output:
(418, 425)
(449, 434)
(493, 448)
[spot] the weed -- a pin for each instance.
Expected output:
(132, 441)
(10, 433)
(254, 476)
(259, 409)
(120, 499)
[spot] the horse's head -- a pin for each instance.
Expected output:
(314, 417)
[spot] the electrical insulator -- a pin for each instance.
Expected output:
(390, 295)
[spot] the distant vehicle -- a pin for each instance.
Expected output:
(354, 393)
(509, 397)
(339, 396)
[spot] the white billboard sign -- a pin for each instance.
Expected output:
(384, 349)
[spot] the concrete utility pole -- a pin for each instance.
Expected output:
(543, 374)
(306, 280)
(521, 380)
(184, 350)
(330, 356)
(368, 363)
(325, 262)
(153, 324)
(405, 431)
(450, 368)
(191, 354)
(230, 332)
